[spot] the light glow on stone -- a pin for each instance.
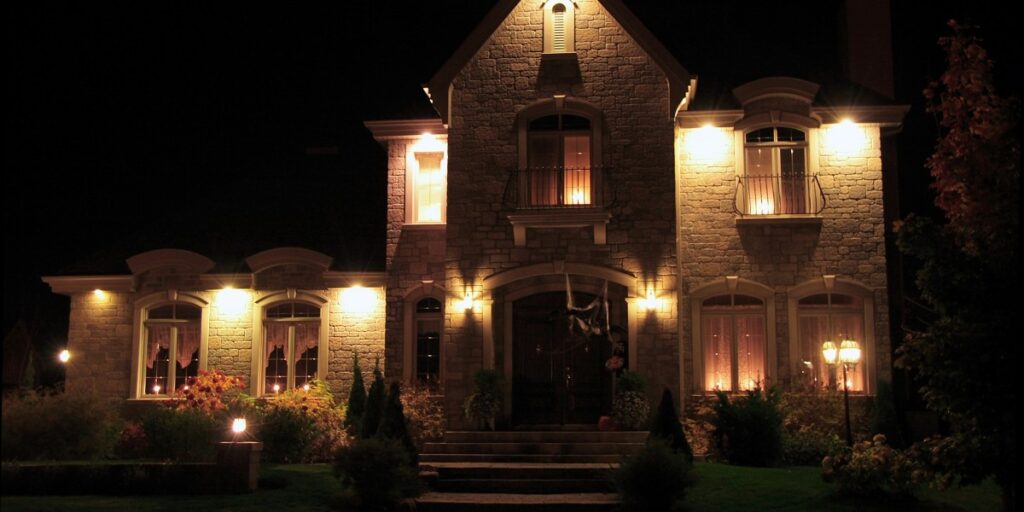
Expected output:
(707, 145)
(358, 300)
(232, 302)
(845, 138)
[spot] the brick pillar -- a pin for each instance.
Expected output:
(239, 465)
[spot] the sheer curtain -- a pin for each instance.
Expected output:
(159, 338)
(716, 332)
(188, 344)
(277, 337)
(750, 348)
(813, 332)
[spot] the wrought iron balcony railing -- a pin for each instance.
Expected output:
(558, 187)
(778, 195)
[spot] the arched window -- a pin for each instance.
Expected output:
(559, 27)
(776, 173)
(733, 338)
(558, 162)
(829, 317)
(428, 324)
(172, 339)
(291, 345)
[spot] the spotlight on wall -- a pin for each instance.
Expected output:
(358, 299)
(707, 144)
(846, 138)
(232, 302)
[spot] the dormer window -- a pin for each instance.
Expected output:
(559, 27)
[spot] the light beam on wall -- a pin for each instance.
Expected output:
(358, 300)
(707, 145)
(845, 138)
(232, 302)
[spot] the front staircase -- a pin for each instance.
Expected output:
(524, 470)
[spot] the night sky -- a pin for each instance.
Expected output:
(232, 129)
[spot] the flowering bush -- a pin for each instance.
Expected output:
(303, 425)
(211, 392)
(868, 468)
(425, 415)
(630, 410)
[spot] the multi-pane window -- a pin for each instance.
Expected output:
(428, 322)
(429, 184)
(829, 317)
(776, 172)
(171, 347)
(558, 162)
(291, 345)
(733, 342)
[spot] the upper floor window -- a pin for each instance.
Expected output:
(558, 162)
(733, 342)
(291, 349)
(426, 164)
(829, 317)
(428, 324)
(777, 181)
(172, 339)
(559, 27)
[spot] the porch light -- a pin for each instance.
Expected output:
(238, 425)
(359, 300)
(467, 303)
(64, 356)
(846, 138)
(231, 302)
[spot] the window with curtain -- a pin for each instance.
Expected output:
(829, 317)
(733, 341)
(429, 184)
(428, 322)
(776, 171)
(172, 342)
(558, 162)
(291, 334)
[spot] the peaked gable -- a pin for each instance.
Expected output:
(681, 82)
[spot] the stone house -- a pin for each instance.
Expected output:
(705, 248)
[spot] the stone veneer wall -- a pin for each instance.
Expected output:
(354, 333)
(849, 243)
(100, 338)
(632, 92)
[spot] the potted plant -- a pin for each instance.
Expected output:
(483, 406)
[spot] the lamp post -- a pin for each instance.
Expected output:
(846, 355)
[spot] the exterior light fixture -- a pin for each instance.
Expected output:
(238, 425)
(846, 355)
(99, 294)
(232, 302)
(707, 144)
(651, 302)
(846, 138)
(64, 356)
(467, 303)
(357, 299)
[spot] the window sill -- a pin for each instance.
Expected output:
(560, 218)
(424, 227)
(778, 219)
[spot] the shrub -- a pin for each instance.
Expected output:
(181, 435)
(425, 415)
(132, 443)
(806, 448)
(393, 423)
(484, 405)
(375, 474)
(356, 398)
(748, 432)
(630, 410)
(667, 429)
(630, 381)
(653, 479)
(868, 469)
(302, 425)
(374, 405)
(813, 418)
(884, 419)
(699, 429)
(213, 393)
(58, 426)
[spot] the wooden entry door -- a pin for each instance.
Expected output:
(557, 379)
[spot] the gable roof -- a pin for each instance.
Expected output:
(680, 80)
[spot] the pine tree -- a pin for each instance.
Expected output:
(356, 397)
(393, 423)
(667, 429)
(374, 404)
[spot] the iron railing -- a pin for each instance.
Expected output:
(779, 195)
(558, 187)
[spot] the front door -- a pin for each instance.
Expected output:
(557, 378)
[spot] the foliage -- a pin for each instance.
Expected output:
(631, 381)
(630, 410)
(655, 478)
(666, 428)
(868, 469)
(58, 426)
(969, 271)
(485, 403)
(749, 431)
(374, 405)
(814, 419)
(393, 424)
(356, 397)
(303, 425)
(376, 474)
(132, 443)
(213, 392)
(181, 435)
(884, 419)
(807, 448)
(425, 415)
(941, 461)
(699, 428)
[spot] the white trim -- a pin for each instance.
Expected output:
(409, 301)
(141, 310)
(311, 297)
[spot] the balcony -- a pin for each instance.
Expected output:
(558, 197)
(779, 199)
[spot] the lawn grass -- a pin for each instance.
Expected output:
(717, 487)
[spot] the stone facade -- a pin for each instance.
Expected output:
(99, 339)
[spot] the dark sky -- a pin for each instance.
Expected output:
(170, 125)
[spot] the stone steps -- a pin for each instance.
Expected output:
(530, 448)
(472, 502)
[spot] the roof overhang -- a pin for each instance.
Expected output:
(70, 285)
(405, 129)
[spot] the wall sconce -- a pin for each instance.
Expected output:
(467, 303)
(232, 302)
(651, 303)
(707, 144)
(846, 138)
(64, 356)
(358, 300)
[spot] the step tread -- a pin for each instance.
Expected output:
(582, 498)
(520, 465)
